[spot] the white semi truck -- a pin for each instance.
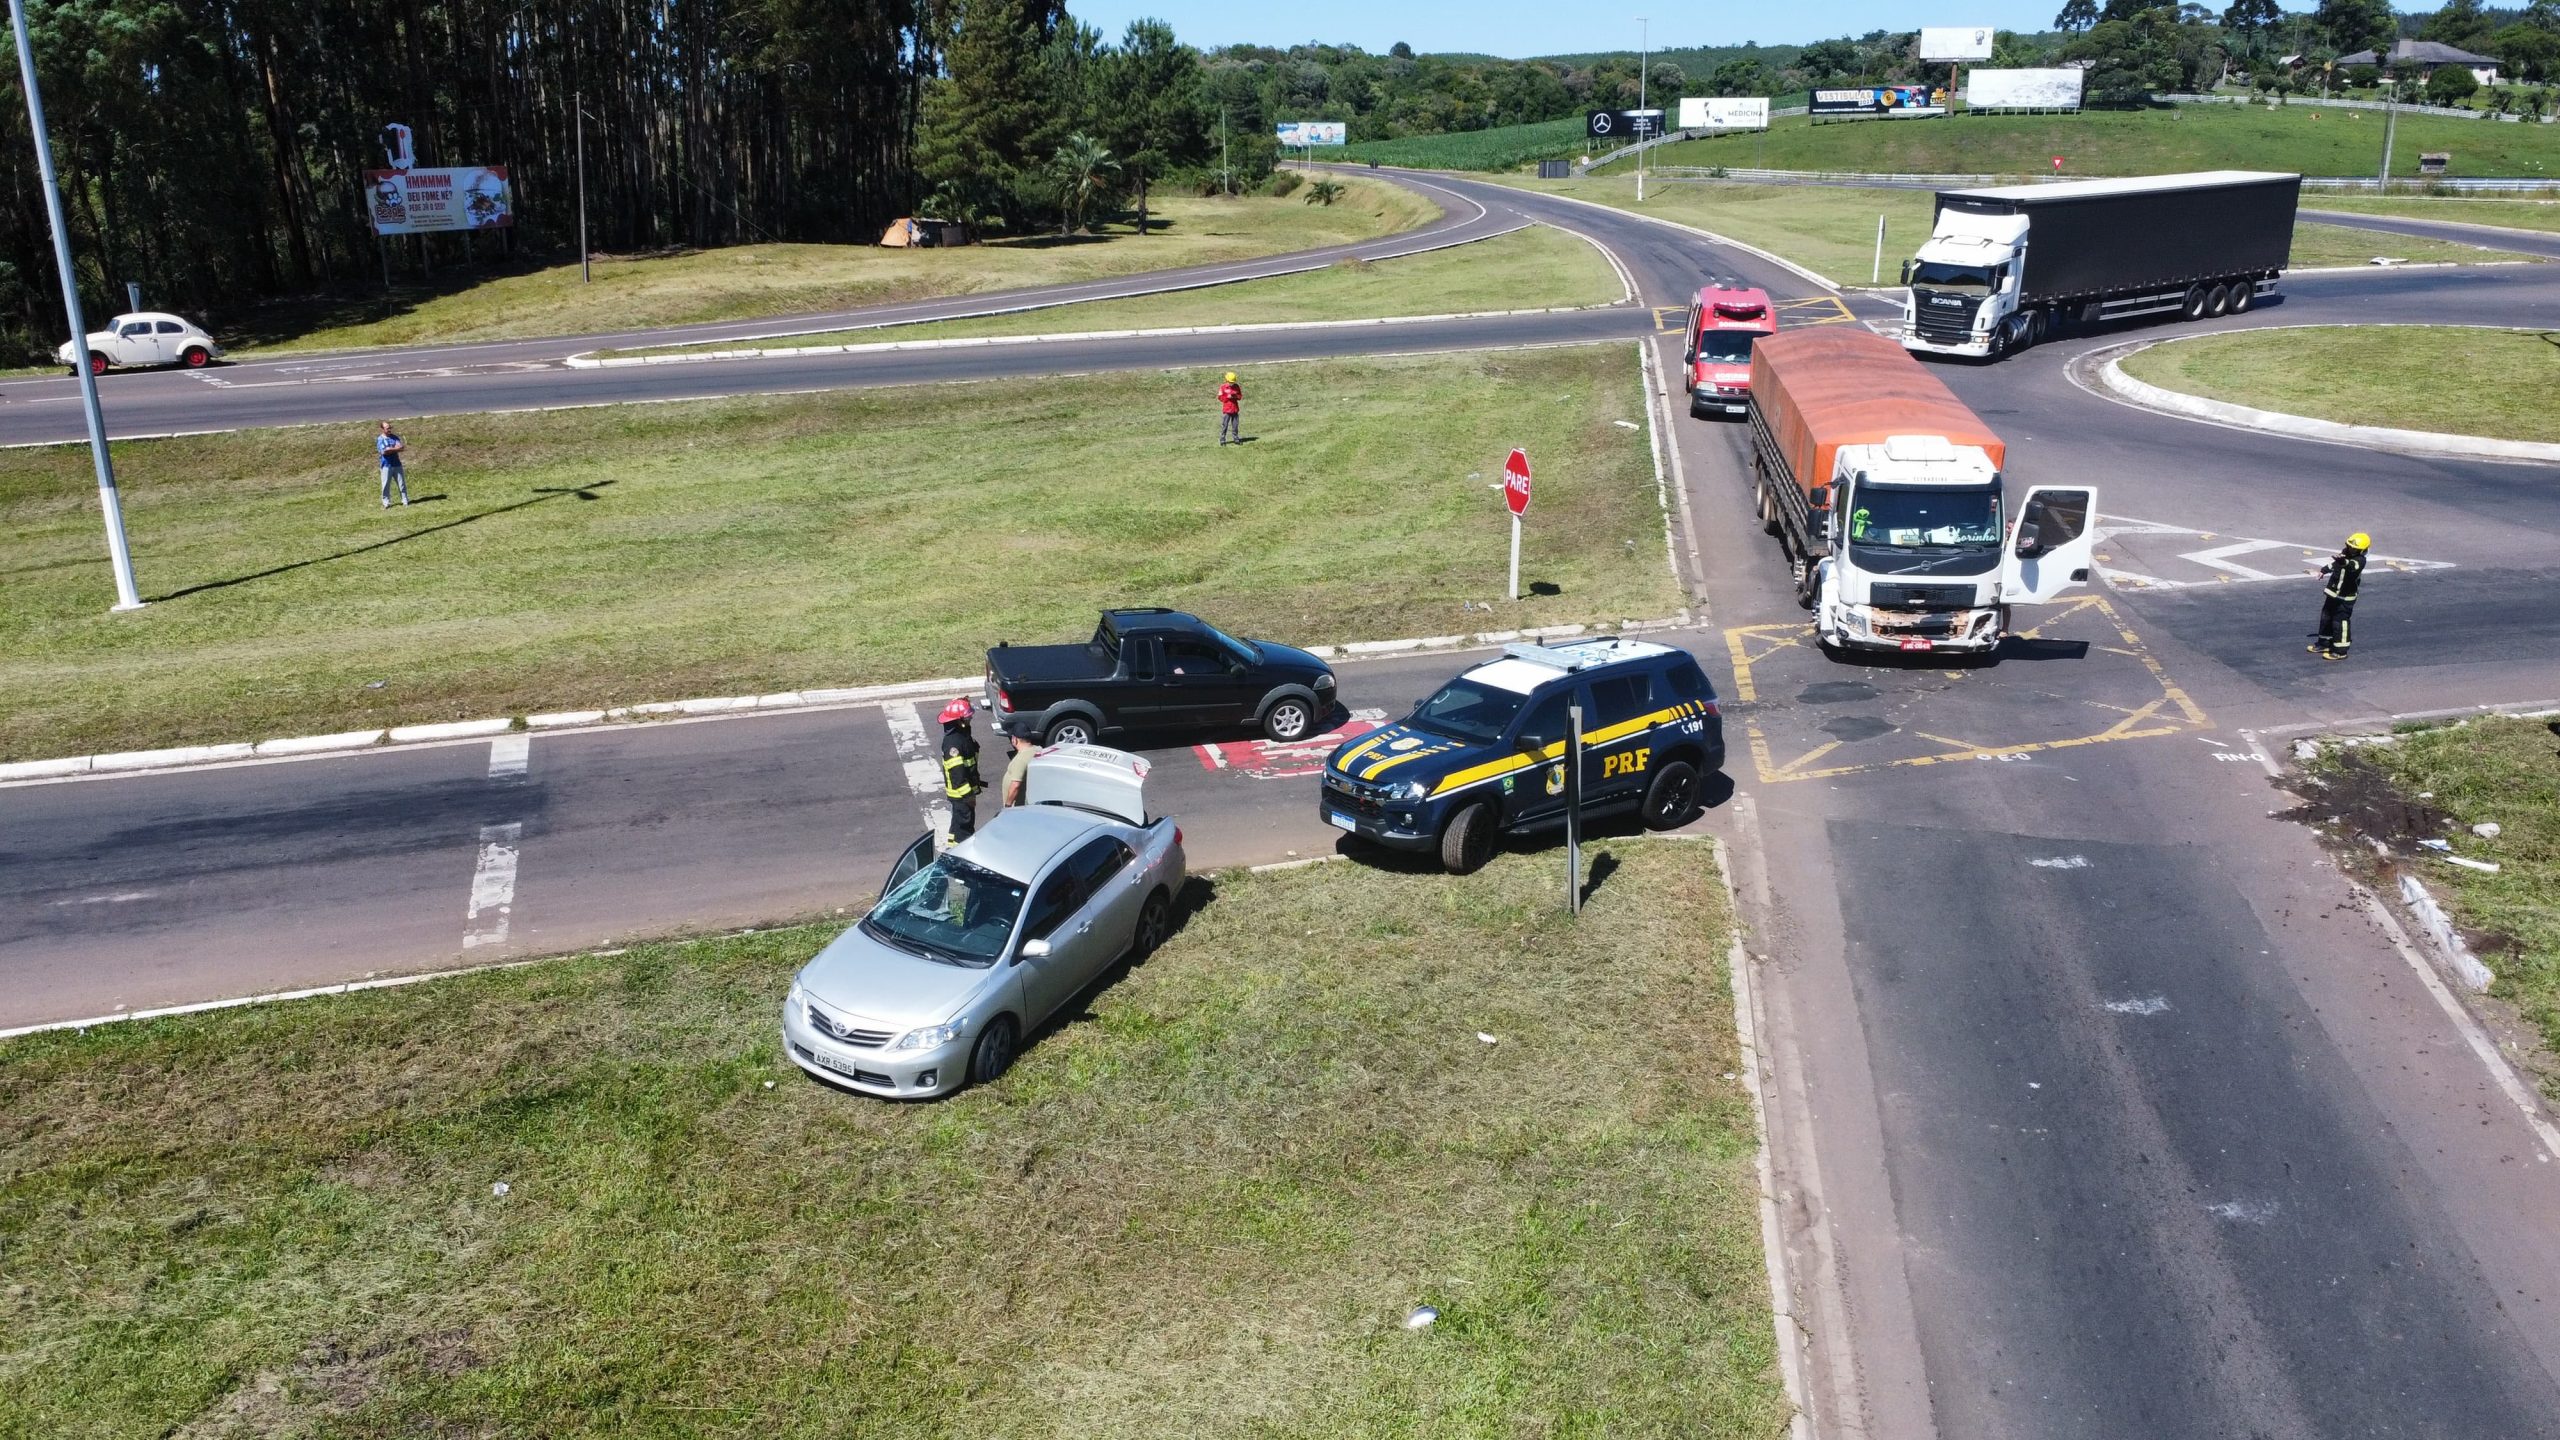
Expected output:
(2007, 266)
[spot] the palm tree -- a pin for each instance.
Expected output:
(1324, 192)
(1085, 170)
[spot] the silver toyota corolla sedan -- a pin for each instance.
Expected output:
(969, 950)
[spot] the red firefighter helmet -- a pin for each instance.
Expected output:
(958, 711)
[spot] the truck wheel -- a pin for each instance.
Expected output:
(2218, 301)
(1288, 719)
(1768, 512)
(1804, 578)
(2244, 293)
(1069, 730)
(2193, 309)
(1468, 842)
(1671, 801)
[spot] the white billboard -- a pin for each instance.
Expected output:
(2023, 89)
(1735, 113)
(1955, 42)
(1314, 132)
(415, 202)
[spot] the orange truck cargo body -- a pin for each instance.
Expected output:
(1821, 387)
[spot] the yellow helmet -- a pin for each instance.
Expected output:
(1231, 377)
(2359, 541)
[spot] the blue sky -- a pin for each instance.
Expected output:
(1517, 28)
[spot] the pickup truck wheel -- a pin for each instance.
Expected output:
(2244, 293)
(994, 1053)
(1288, 720)
(1468, 842)
(1671, 801)
(1068, 730)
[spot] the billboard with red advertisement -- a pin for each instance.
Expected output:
(419, 202)
(1885, 102)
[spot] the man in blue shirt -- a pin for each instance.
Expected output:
(387, 445)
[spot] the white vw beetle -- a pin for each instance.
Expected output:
(968, 951)
(145, 337)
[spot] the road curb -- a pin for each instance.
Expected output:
(880, 347)
(75, 767)
(2443, 938)
(2105, 370)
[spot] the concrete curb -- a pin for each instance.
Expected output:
(2108, 373)
(2443, 938)
(879, 347)
(74, 767)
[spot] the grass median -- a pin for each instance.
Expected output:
(590, 558)
(747, 282)
(2461, 379)
(1831, 229)
(1203, 1203)
(2435, 783)
(1536, 268)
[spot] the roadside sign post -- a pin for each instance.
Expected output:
(1515, 494)
(119, 556)
(1877, 278)
(1573, 809)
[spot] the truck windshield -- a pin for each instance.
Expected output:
(1962, 279)
(1465, 710)
(1925, 519)
(1726, 347)
(951, 911)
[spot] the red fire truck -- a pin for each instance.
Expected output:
(1723, 326)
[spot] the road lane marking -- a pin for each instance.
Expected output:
(2147, 1005)
(509, 755)
(493, 886)
(126, 898)
(2061, 862)
(916, 756)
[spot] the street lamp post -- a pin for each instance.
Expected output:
(1644, 64)
(127, 597)
(578, 101)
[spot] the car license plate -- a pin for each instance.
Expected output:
(841, 1067)
(1916, 642)
(1344, 821)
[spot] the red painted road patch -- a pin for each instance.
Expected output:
(1274, 760)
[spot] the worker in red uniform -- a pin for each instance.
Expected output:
(1231, 411)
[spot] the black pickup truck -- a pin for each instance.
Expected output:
(1156, 670)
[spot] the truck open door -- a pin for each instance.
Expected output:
(2050, 545)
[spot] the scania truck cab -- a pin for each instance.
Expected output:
(1724, 323)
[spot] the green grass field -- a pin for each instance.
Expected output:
(1832, 229)
(2494, 769)
(2513, 214)
(1203, 1204)
(598, 557)
(1536, 268)
(1505, 147)
(748, 282)
(2471, 381)
(2315, 140)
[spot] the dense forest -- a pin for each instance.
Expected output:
(215, 151)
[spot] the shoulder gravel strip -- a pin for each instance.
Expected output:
(878, 347)
(75, 767)
(2102, 372)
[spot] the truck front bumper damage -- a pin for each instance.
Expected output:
(1865, 627)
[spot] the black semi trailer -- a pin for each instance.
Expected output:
(2007, 265)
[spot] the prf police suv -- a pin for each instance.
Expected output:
(1724, 323)
(1487, 753)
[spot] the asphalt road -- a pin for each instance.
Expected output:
(2495, 237)
(2100, 1107)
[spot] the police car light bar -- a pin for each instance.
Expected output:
(1552, 659)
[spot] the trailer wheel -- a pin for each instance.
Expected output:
(2197, 295)
(2037, 324)
(2217, 302)
(2244, 293)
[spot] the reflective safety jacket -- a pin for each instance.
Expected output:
(2345, 572)
(960, 778)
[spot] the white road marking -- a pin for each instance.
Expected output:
(2061, 862)
(493, 886)
(916, 756)
(2500, 1071)
(126, 898)
(2220, 558)
(2147, 1005)
(508, 756)
(2245, 1212)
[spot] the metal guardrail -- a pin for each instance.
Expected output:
(2433, 184)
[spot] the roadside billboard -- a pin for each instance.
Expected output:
(419, 202)
(1315, 132)
(1623, 126)
(1724, 114)
(2023, 89)
(1955, 42)
(1887, 102)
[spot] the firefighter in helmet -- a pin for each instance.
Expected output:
(961, 782)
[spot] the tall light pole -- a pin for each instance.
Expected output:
(1644, 67)
(578, 102)
(127, 597)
